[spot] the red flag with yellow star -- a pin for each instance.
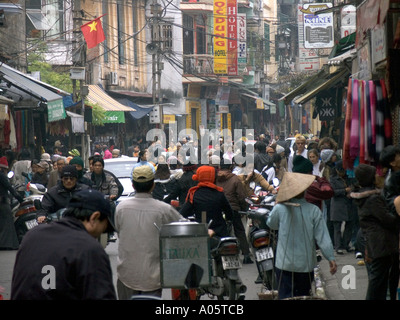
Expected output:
(93, 33)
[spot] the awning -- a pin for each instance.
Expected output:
(325, 84)
(133, 94)
(344, 45)
(304, 87)
(139, 111)
(24, 87)
(351, 54)
(256, 97)
(4, 100)
(11, 8)
(98, 96)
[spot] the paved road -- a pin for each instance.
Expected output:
(349, 283)
(248, 274)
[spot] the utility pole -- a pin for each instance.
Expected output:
(157, 65)
(79, 60)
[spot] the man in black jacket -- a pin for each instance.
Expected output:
(184, 183)
(380, 228)
(57, 197)
(209, 198)
(390, 159)
(261, 157)
(63, 260)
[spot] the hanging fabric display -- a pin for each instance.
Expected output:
(362, 122)
(355, 122)
(368, 123)
(347, 126)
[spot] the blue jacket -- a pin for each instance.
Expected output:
(300, 228)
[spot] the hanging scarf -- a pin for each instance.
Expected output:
(372, 91)
(355, 122)
(362, 122)
(347, 127)
(370, 146)
(207, 184)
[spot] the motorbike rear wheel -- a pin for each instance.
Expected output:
(269, 280)
(230, 290)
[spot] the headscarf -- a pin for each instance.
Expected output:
(206, 177)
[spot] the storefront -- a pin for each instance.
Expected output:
(34, 103)
(117, 120)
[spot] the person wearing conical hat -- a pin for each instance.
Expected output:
(301, 226)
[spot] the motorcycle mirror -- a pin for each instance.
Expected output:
(193, 277)
(10, 174)
(41, 187)
(38, 204)
(275, 182)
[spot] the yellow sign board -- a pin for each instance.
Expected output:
(220, 37)
(260, 104)
(167, 118)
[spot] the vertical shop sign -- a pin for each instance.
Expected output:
(242, 49)
(220, 37)
(232, 37)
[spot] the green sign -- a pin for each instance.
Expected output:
(115, 117)
(56, 110)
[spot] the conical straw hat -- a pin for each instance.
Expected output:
(293, 184)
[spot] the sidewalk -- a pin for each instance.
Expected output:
(350, 282)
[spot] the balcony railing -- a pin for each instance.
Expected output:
(198, 64)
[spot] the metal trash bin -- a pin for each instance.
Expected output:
(182, 246)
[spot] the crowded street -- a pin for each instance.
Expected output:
(332, 285)
(200, 150)
(338, 271)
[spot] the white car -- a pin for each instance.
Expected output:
(122, 168)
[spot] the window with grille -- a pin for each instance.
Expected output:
(45, 18)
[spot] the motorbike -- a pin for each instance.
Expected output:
(25, 213)
(262, 239)
(225, 283)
